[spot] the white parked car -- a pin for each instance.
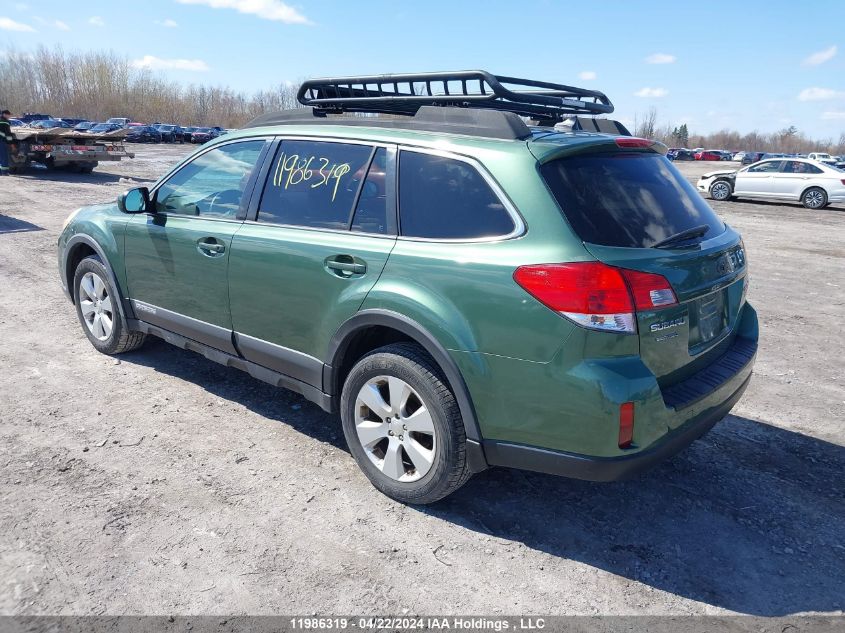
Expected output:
(822, 157)
(813, 184)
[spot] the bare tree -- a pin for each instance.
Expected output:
(99, 85)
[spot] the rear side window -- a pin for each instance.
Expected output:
(797, 167)
(626, 199)
(314, 184)
(444, 198)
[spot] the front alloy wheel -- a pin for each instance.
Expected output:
(96, 306)
(395, 428)
(720, 190)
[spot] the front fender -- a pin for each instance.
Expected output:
(105, 238)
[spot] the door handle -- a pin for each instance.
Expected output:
(210, 248)
(346, 266)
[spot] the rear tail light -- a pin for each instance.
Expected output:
(842, 181)
(595, 295)
(626, 424)
(649, 290)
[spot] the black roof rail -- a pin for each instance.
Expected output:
(468, 121)
(404, 94)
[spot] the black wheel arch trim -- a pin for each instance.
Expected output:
(67, 275)
(339, 345)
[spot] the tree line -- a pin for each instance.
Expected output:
(788, 140)
(97, 85)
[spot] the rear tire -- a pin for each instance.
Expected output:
(99, 311)
(721, 190)
(403, 426)
(814, 198)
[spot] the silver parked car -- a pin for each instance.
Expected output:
(813, 184)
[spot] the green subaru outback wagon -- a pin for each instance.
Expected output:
(471, 270)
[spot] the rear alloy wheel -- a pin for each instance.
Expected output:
(721, 190)
(403, 442)
(403, 425)
(814, 198)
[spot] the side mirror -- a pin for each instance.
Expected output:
(134, 201)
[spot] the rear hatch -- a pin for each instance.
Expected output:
(624, 203)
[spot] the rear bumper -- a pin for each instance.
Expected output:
(608, 468)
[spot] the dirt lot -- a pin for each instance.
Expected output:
(163, 483)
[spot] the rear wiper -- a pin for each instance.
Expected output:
(683, 236)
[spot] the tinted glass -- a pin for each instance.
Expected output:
(371, 212)
(314, 184)
(443, 198)
(627, 199)
(213, 184)
(797, 167)
(767, 167)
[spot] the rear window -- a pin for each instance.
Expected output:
(626, 199)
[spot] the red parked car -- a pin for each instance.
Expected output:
(708, 154)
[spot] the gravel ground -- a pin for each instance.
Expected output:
(163, 483)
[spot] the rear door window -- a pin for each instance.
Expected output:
(314, 184)
(626, 199)
(371, 211)
(446, 198)
(797, 167)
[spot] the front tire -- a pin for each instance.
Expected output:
(721, 190)
(98, 309)
(814, 198)
(403, 426)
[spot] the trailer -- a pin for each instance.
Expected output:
(61, 148)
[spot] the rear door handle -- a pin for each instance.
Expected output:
(345, 266)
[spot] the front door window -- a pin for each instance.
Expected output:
(212, 185)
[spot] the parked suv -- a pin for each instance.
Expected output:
(464, 289)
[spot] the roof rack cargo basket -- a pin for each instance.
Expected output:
(404, 94)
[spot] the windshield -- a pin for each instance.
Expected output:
(204, 130)
(102, 127)
(627, 199)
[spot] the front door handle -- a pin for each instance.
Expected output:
(210, 247)
(345, 265)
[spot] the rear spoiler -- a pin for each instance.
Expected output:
(595, 145)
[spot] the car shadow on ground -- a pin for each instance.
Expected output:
(833, 206)
(751, 518)
(60, 175)
(13, 225)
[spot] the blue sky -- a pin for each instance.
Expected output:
(748, 65)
